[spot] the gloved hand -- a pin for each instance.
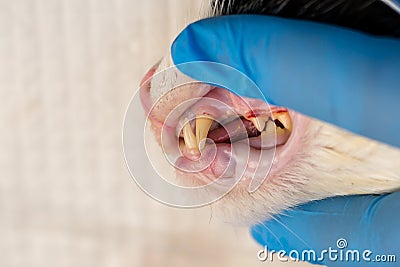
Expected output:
(340, 76)
(359, 223)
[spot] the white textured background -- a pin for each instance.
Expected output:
(67, 71)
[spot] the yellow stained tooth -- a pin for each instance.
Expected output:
(268, 138)
(285, 119)
(280, 132)
(189, 137)
(181, 144)
(259, 122)
(203, 124)
(270, 129)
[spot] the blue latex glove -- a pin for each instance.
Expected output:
(341, 76)
(365, 222)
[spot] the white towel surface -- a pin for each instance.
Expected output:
(67, 72)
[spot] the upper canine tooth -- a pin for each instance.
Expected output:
(285, 119)
(259, 122)
(189, 137)
(203, 124)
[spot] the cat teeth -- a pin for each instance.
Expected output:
(189, 137)
(196, 141)
(284, 119)
(268, 137)
(276, 131)
(203, 125)
(259, 122)
(284, 127)
(273, 129)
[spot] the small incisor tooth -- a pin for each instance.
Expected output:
(189, 137)
(259, 122)
(203, 124)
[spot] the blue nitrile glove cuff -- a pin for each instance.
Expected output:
(334, 74)
(364, 223)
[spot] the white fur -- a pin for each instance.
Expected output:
(331, 162)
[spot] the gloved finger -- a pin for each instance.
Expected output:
(337, 75)
(341, 224)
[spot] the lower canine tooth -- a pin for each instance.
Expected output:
(189, 137)
(203, 124)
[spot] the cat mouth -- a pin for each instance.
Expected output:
(217, 135)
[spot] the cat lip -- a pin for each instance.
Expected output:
(144, 89)
(149, 74)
